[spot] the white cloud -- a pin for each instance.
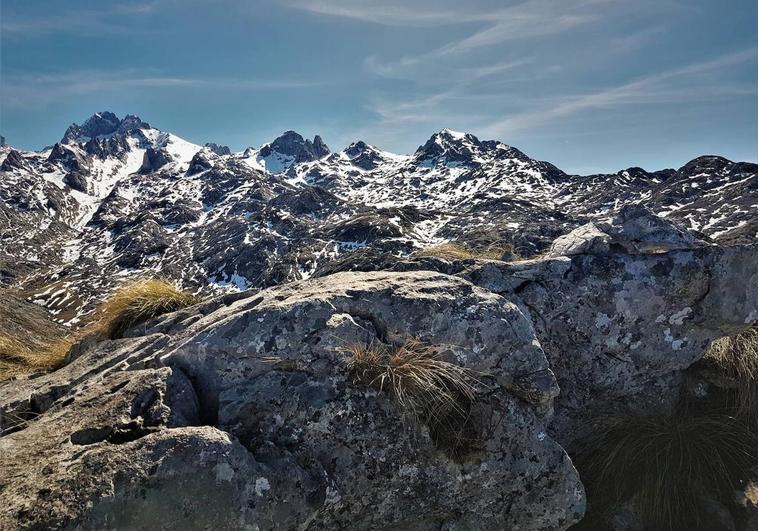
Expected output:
(650, 90)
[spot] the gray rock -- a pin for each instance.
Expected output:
(294, 441)
(76, 180)
(218, 150)
(13, 161)
(153, 160)
(619, 328)
(102, 124)
(635, 229)
(292, 144)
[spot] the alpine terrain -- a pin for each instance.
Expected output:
(288, 338)
(116, 199)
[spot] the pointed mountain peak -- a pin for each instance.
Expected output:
(14, 160)
(102, 124)
(449, 134)
(364, 155)
(218, 150)
(448, 145)
(294, 148)
(355, 149)
(320, 149)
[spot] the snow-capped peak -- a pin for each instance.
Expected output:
(456, 135)
(448, 146)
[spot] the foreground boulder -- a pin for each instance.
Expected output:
(636, 301)
(244, 415)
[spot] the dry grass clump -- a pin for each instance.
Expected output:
(736, 360)
(460, 251)
(19, 357)
(137, 302)
(665, 465)
(436, 392)
(132, 304)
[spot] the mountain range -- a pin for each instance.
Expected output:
(117, 199)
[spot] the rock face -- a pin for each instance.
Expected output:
(619, 325)
(294, 146)
(245, 414)
(102, 124)
(13, 161)
(635, 228)
(218, 150)
(153, 160)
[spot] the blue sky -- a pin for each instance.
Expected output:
(590, 85)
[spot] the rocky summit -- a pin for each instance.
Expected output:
(259, 407)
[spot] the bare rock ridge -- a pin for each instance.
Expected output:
(243, 412)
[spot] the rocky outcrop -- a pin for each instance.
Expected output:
(635, 229)
(245, 414)
(293, 145)
(13, 161)
(153, 160)
(218, 150)
(635, 303)
(102, 124)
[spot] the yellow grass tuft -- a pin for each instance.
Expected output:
(460, 251)
(436, 392)
(18, 357)
(137, 302)
(736, 358)
(132, 304)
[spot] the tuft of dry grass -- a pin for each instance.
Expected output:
(436, 392)
(736, 359)
(132, 304)
(460, 251)
(664, 465)
(19, 357)
(137, 302)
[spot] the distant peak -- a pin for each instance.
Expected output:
(218, 150)
(292, 144)
(357, 148)
(363, 155)
(455, 135)
(450, 145)
(102, 124)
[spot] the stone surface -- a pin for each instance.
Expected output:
(619, 328)
(236, 414)
(634, 228)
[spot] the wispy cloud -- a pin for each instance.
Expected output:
(663, 87)
(459, 106)
(107, 18)
(26, 91)
(519, 20)
(137, 8)
(392, 13)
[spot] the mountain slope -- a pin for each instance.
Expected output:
(117, 199)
